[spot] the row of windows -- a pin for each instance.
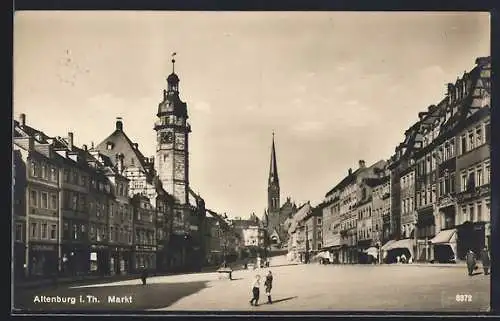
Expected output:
(43, 200)
(426, 196)
(44, 171)
(408, 205)
(406, 230)
(447, 184)
(380, 191)
(408, 180)
(364, 213)
(72, 176)
(120, 234)
(474, 212)
(475, 176)
(144, 237)
(365, 234)
(475, 137)
(446, 150)
(38, 230)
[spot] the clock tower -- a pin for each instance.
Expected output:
(171, 160)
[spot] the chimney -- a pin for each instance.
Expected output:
(361, 163)
(22, 119)
(85, 147)
(136, 146)
(349, 171)
(70, 141)
(119, 124)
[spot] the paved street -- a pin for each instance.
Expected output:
(296, 287)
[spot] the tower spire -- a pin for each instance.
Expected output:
(173, 62)
(273, 168)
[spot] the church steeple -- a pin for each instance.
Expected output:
(273, 168)
(273, 189)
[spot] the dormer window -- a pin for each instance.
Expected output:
(109, 146)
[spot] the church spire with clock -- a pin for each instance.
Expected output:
(172, 128)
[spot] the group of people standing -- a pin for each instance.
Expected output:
(268, 283)
(484, 257)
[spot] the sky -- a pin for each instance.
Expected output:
(334, 87)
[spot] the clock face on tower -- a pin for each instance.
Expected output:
(166, 137)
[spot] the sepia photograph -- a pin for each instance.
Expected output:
(256, 162)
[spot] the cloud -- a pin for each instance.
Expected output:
(352, 102)
(203, 106)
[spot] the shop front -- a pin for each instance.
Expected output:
(470, 236)
(43, 258)
(75, 259)
(394, 249)
(444, 246)
(100, 259)
(144, 256)
(363, 257)
(119, 260)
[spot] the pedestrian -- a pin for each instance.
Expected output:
(269, 285)
(485, 259)
(470, 259)
(255, 291)
(403, 259)
(398, 259)
(144, 274)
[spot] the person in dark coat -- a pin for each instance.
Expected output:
(269, 285)
(255, 291)
(470, 259)
(144, 274)
(485, 260)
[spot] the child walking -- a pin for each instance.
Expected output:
(255, 291)
(269, 285)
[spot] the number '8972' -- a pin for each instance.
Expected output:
(463, 298)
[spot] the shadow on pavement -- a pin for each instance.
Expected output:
(236, 279)
(141, 297)
(278, 265)
(476, 273)
(284, 299)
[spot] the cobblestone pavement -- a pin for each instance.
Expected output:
(295, 288)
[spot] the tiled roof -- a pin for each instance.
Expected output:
(122, 145)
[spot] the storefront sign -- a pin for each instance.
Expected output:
(145, 248)
(43, 247)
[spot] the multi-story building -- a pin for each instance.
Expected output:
(36, 211)
(298, 247)
(364, 229)
(473, 165)
(353, 189)
(407, 201)
(144, 233)
(314, 230)
(331, 224)
(381, 205)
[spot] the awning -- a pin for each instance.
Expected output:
(386, 245)
(401, 244)
(444, 237)
(323, 255)
(373, 251)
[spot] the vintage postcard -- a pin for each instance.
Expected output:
(251, 161)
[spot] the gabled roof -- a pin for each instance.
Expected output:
(121, 144)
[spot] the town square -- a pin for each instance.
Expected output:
(251, 161)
